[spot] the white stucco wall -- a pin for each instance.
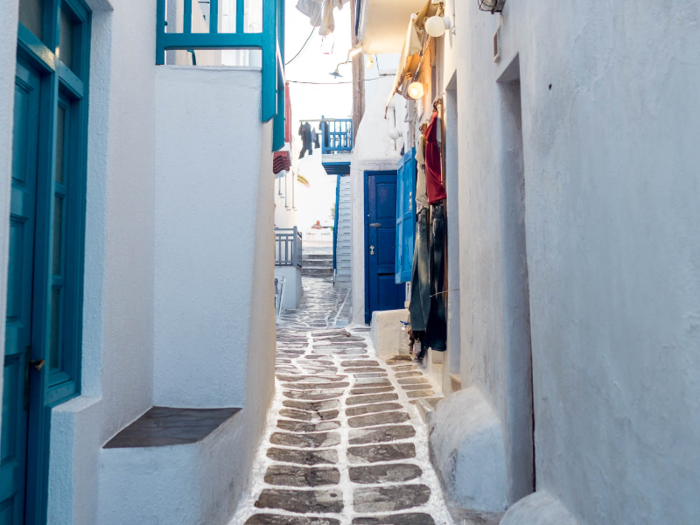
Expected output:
(206, 232)
(609, 116)
(374, 150)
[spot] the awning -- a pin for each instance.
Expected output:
(381, 24)
(280, 162)
(413, 48)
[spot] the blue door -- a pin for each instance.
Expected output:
(381, 290)
(18, 371)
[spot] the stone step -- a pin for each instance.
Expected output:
(426, 405)
(317, 272)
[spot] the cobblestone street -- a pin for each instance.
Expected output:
(343, 444)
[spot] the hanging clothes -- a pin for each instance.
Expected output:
(421, 189)
(305, 134)
(312, 9)
(419, 302)
(436, 330)
(314, 139)
(433, 162)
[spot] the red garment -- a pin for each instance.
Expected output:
(433, 163)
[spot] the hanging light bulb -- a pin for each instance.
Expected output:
(415, 90)
(436, 26)
(395, 134)
(370, 62)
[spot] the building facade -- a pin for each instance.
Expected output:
(572, 277)
(137, 232)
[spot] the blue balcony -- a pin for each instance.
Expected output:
(270, 39)
(336, 145)
(337, 135)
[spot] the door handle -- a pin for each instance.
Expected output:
(38, 364)
(371, 250)
(375, 225)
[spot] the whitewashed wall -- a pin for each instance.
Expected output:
(610, 112)
(206, 232)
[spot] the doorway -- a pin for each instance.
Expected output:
(43, 327)
(521, 423)
(381, 290)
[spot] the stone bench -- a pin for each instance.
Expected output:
(171, 466)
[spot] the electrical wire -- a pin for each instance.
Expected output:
(302, 47)
(335, 83)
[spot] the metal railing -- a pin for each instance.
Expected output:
(288, 247)
(336, 135)
(270, 40)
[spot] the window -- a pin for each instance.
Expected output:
(53, 38)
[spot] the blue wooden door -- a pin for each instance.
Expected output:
(405, 216)
(381, 290)
(18, 334)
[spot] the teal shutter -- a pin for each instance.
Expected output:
(405, 216)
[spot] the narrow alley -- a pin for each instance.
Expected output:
(343, 444)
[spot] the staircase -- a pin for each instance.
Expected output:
(317, 265)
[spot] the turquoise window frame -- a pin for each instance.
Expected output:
(68, 87)
(270, 41)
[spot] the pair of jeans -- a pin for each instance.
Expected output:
(419, 305)
(436, 330)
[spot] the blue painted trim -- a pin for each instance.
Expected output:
(213, 16)
(171, 41)
(337, 168)
(240, 16)
(187, 17)
(365, 226)
(335, 223)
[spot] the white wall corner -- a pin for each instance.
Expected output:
(539, 508)
(467, 449)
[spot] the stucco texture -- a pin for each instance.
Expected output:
(609, 126)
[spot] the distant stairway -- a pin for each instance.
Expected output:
(317, 265)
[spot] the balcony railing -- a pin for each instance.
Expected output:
(288, 247)
(270, 40)
(336, 136)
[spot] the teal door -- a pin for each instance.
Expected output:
(18, 371)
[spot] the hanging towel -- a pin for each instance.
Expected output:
(421, 188)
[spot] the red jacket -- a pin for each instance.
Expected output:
(433, 163)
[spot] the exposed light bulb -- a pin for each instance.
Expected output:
(370, 62)
(415, 90)
(395, 134)
(436, 26)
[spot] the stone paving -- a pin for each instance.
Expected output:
(344, 444)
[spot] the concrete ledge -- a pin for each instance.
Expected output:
(386, 332)
(467, 449)
(292, 286)
(182, 484)
(540, 508)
